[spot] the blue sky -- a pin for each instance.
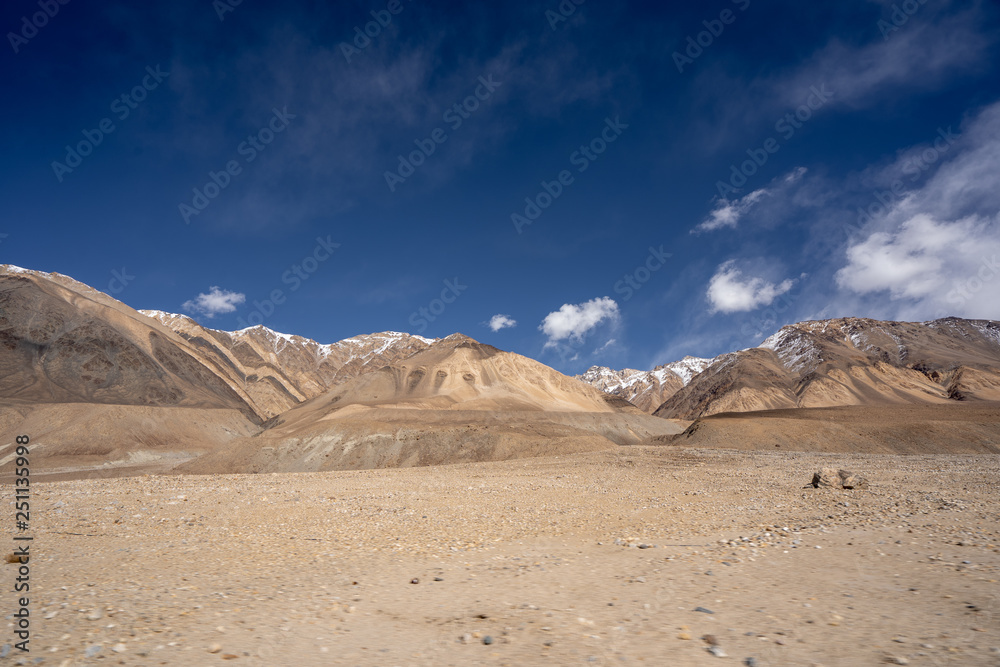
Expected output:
(594, 183)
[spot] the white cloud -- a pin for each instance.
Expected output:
(605, 346)
(931, 268)
(215, 302)
(933, 251)
(729, 293)
(728, 213)
(795, 175)
(574, 322)
(498, 322)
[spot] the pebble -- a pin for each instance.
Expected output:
(750, 662)
(119, 648)
(487, 640)
(92, 651)
(414, 580)
(438, 579)
(215, 648)
(717, 652)
(703, 610)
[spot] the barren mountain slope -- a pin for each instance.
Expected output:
(64, 342)
(279, 370)
(99, 386)
(850, 361)
(459, 372)
(459, 400)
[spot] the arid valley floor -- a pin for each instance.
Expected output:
(640, 555)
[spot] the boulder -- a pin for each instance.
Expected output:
(834, 478)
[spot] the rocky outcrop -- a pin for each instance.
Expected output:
(833, 478)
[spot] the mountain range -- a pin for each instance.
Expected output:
(110, 390)
(107, 389)
(846, 361)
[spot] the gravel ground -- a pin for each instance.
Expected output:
(643, 555)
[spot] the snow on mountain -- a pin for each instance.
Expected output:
(795, 349)
(686, 368)
(646, 389)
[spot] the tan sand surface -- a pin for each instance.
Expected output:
(542, 556)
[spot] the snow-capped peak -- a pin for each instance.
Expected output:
(164, 316)
(685, 369)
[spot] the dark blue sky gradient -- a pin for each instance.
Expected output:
(324, 176)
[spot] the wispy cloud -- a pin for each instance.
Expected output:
(728, 213)
(355, 119)
(608, 344)
(932, 46)
(930, 267)
(932, 251)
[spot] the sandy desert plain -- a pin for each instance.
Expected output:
(658, 555)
